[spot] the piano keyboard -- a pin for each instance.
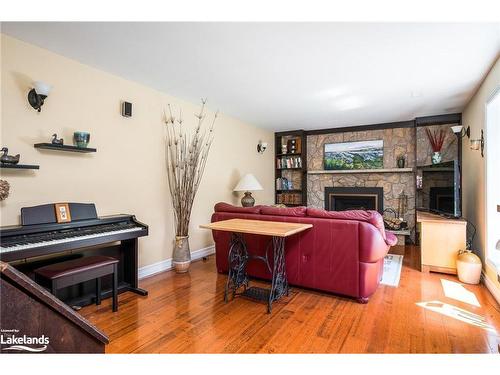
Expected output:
(28, 242)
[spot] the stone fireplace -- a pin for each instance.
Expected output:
(354, 198)
(389, 182)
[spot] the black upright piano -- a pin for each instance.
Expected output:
(42, 240)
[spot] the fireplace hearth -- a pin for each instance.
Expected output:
(354, 198)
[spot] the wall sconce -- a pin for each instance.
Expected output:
(37, 94)
(261, 147)
(460, 132)
(478, 144)
(475, 144)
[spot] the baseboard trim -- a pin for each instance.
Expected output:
(494, 290)
(166, 265)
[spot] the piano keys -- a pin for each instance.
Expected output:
(40, 236)
(19, 242)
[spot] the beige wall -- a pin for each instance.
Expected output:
(473, 180)
(127, 174)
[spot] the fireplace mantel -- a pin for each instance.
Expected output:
(381, 170)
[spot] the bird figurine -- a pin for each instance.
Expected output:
(8, 159)
(55, 141)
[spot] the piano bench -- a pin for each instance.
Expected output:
(76, 271)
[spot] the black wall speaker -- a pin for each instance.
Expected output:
(126, 109)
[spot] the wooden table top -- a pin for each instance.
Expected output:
(264, 228)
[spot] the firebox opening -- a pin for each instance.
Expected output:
(354, 198)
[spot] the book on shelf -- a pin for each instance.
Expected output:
(289, 198)
(283, 183)
(287, 162)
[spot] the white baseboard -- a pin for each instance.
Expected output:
(165, 265)
(494, 290)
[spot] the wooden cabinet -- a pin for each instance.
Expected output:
(440, 240)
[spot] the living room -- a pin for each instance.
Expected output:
(250, 188)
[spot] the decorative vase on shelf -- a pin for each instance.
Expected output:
(436, 157)
(436, 140)
(181, 258)
(81, 139)
(401, 161)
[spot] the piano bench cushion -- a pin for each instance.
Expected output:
(75, 266)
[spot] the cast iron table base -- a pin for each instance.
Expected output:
(238, 258)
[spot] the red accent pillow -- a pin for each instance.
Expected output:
(226, 207)
(283, 211)
(372, 217)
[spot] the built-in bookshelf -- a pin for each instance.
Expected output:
(291, 168)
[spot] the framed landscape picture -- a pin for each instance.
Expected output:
(354, 155)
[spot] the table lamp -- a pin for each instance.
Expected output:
(248, 183)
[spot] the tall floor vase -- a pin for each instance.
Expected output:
(182, 254)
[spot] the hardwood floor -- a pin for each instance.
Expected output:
(186, 314)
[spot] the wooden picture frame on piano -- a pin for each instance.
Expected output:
(63, 214)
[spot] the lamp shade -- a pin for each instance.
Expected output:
(42, 88)
(475, 144)
(457, 129)
(248, 183)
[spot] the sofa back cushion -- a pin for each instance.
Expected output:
(372, 217)
(226, 207)
(283, 211)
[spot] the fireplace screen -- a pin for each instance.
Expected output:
(354, 198)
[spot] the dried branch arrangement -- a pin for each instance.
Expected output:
(436, 138)
(186, 157)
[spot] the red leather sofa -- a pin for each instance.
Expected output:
(342, 253)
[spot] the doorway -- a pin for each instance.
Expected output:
(492, 143)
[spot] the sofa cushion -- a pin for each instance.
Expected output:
(280, 211)
(372, 217)
(226, 207)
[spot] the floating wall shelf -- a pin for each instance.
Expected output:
(19, 166)
(430, 169)
(384, 170)
(50, 146)
(285, 155)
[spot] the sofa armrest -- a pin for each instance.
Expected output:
(372, 245)
(390, 239)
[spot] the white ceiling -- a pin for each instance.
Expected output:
(289, 75)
